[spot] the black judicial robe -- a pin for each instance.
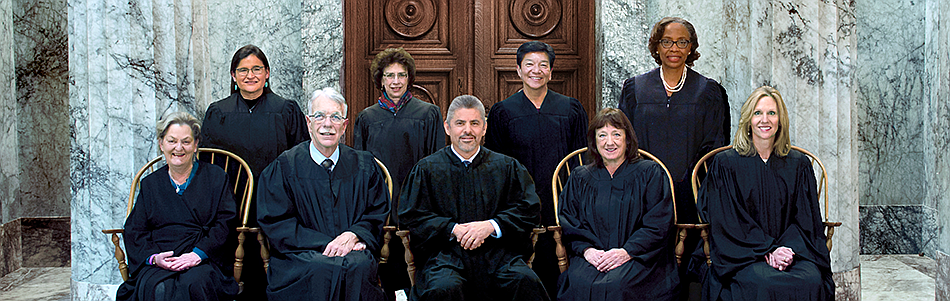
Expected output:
(634, 211)
(399, 140)
(258, 136)
(441, 192)
(302, 207)
(681, 128)
(538, 138)
(162, 220)
(753, 208)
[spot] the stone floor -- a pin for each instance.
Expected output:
(883, 278)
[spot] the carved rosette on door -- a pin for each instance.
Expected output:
(410, 18)
(535, 18)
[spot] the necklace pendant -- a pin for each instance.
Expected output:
(177, 189)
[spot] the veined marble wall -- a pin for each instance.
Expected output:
(132, 62)
(802, 48)
(937, 139)
(9, 144)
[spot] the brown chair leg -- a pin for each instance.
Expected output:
(704, 233)
(384, 250)
(559, 250)
(680, 246)
(265, 250)
(120, 257)
(534, 241)
(239, 261)
(829, 232)
(410, 265)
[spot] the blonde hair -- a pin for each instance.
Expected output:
(180, 118)
(743, 141)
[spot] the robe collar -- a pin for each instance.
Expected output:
(462, 159)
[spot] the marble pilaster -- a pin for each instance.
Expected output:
(937, 174)
(942, 280)
(322, 38)
(9, 144)
(848, 285)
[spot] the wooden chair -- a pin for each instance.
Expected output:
(561, 174)
(240, 176)
(822, 185)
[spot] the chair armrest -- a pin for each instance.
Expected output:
(534, 241)
(559, 250)
(829, 232)
(681, 234)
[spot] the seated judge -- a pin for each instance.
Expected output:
(322, 207)
(470, 212)
(616, 213)
(766, 236)
(178, 225)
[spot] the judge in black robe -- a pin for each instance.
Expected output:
(538, 127)
(257, 125)
(628, 208)
(399, 130)
(755, 208)
(190, 218)
(305, 208)
(443, 195)
(678, 127)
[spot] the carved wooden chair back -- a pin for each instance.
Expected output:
(822, 194)
(240, 177)
(563, 172)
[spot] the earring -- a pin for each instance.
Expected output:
(265, 84)
(235, 87)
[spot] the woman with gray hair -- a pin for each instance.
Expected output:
(179, 223)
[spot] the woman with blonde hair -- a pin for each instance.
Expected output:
(761, 203)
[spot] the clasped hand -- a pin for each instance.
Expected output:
(471, 235)
(176, 264)
(343, 244)
(606, 260)
(781, 258)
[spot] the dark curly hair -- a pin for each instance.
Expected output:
(616, 118)
(657, 34)
(388, 57)
(242, 53)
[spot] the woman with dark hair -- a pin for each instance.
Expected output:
(766, 236)
(617, 213)
(175, 235)
(257, 125)
(399, 130)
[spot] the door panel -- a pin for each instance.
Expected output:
(469, 47)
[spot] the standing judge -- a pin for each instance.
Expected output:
(322, 206)
(399, 130)
(470, 211)
(176, 232)
(617, 213)
(538, 127)
(257, 125)
(766, 236)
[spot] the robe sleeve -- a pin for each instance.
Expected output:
(576, 230)
(370, 225)
(650, 240)
(497, 132)
(359, 132)
(520, 211)
(137, 234)
(578, 126)
(628, 99)
(278, 216)
(805, 234)
(210, 118)
(216, 236)
(736, 239)
(435, 137)
(715, 118)
(430, 231)
(297, 131)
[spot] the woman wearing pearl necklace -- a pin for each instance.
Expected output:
(678, 114)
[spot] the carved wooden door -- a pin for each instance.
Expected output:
(468, 47)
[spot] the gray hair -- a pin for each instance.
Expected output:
(330, 93)
(180, 118)
(465, 102)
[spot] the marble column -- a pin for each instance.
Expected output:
(802, 48)
(937, 139)
(10, 258)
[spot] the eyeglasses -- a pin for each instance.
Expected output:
(682, 44)
(257, 70)
(319, 117)
(392, 76)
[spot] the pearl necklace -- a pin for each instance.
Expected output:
(679, 85)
